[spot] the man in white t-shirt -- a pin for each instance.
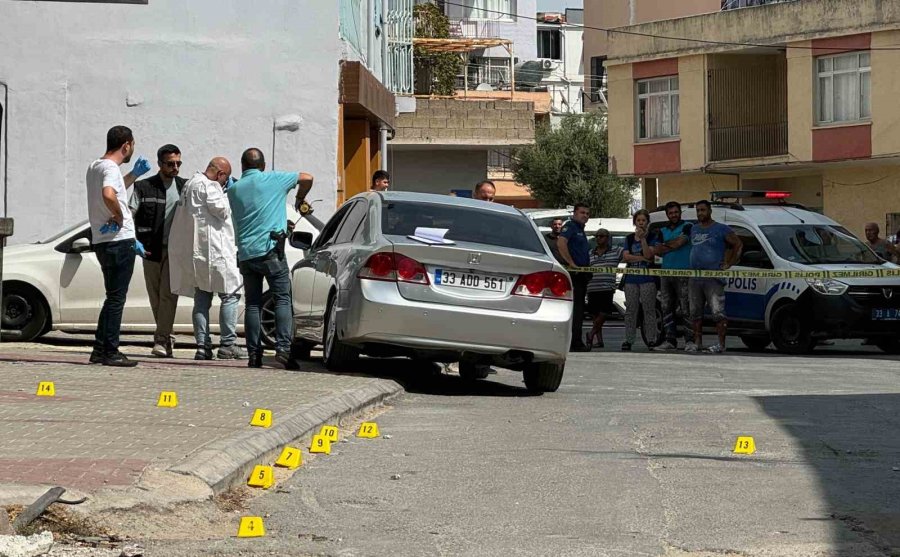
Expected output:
(112, 234)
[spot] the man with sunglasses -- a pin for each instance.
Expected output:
(153, 204)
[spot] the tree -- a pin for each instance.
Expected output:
(569, 164)
(435, 72)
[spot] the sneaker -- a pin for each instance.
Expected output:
(233, 352)
(203, 354)
(118, 360)
(97, 357)
(664, 347)
(626, 347)
(161, 351)
(716, 349)
(254, 360)
(691, 347)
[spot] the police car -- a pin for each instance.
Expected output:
(796, 314)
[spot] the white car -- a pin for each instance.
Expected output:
(57, 285)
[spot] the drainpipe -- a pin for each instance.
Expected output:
(385, 74)
(632, 12)
(383, 139)
(370, 34)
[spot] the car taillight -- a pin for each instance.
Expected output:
(394, 267)
(546, 284)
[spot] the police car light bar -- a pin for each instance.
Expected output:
(749, 194)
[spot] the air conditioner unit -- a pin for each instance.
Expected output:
(548, 64)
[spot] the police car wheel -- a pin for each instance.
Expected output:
(790, 331)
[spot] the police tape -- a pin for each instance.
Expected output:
(725, 274)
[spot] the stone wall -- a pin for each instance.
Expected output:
(459, 122)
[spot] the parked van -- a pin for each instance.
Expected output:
(795, 314)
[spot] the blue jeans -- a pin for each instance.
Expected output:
(228, 313)
(276, 273)
(117, 263)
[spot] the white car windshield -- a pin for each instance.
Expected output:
(463, 224)
(818, 244)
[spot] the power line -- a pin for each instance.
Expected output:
(666, 37)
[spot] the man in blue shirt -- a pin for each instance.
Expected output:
(714, 246)
(675, 248)
(258, 209)
(576, 252)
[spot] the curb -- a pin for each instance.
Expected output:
(225, 463)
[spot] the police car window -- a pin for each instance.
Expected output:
(817, 244)
(351, 224)
(753, 254)
(463, 224)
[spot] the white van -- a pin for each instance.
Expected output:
(795, 314)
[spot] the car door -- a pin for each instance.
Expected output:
(746, 298)
(314, 273)
(81, 291)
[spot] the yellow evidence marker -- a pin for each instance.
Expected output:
(46, 388)
(251, 527)
(368, 430)
(262, 476)
(320, 444)
(744, 445)
(330, 432)
(262, 418)
(290, 458)
(167, 399)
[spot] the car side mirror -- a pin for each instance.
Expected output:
(756, 258)
(80, 245)
(301, 240)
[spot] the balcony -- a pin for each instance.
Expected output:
(474, 29)
(747, 106)
(735, 4)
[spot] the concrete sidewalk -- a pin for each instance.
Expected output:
(103, 435)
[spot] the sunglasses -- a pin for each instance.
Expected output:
(176, 164)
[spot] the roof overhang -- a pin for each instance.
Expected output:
(364, 97)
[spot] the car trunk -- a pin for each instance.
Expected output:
(471, 274)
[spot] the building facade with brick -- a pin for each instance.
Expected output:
(804, 104)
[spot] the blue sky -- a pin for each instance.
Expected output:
(558, 5)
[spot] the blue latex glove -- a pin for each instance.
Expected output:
(139, 248)
(141, 167)
(229, 183)
(110, 228)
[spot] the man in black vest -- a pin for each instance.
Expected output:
(153, 204)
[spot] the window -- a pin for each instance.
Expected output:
(326, 237)
(818, 244)
(549, 44)
(487, 9)
(352, 223)
(845, 88)
(754, 254)
(598, 79)
(657, 108)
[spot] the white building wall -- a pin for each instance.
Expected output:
(566, 82)
(211, 76)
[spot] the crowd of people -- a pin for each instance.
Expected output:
(200, 237)
(706, 245)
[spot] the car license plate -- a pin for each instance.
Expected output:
(886, 314)
(475, 281)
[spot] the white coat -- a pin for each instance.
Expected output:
(202, 251)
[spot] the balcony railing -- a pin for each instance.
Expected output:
(474, 29)
(734, 4)
(751, 141)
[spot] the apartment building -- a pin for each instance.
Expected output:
(804, 103)
(289, 77)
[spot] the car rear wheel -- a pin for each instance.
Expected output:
(24, 313)
(544, 377)
(336, 355)
(469, 371)
(660, 333)
(267, 321)
(756, 343)
(791, 333)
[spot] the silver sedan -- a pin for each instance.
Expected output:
(434, 278)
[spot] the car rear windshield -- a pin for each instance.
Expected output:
(818, 244)
(463, 224)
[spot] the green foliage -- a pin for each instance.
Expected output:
(569, 165)
(435, 73)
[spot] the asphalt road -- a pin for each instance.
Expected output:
(632, 456)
